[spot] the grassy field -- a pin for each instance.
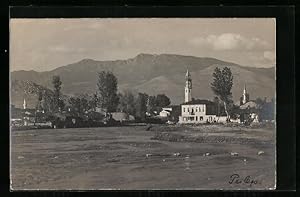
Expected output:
(134, 157)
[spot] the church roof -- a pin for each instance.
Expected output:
(250, 104)
(245, 89)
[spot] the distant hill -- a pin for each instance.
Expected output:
(154, 74)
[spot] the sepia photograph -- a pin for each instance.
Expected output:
(142, 103)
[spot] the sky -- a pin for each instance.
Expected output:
(45, 44)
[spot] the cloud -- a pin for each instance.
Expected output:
(55, 42)
(65, 49)
(270, 55)
(230, 41)
(261, 58)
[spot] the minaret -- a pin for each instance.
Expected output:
(24, 104)
(245, 95)
(188, 87)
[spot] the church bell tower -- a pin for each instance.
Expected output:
(188, 87)
(245, 97)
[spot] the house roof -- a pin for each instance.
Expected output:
(250, 104)
(29, 110)
(119, 115)
(198, 101)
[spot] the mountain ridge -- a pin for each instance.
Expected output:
(134, 73)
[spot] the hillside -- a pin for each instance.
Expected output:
(28, 90)
(155, 74)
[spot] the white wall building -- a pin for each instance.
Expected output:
(197, 111)
(165, 112)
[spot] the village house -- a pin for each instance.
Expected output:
(171, 112)
(165, 112)
(34, 117)
(122, 117)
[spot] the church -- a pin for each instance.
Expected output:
(205, 111)
(196, 110)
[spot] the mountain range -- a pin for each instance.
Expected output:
(153, 74)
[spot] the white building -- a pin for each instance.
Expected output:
(165, 112)
(198, 111)
(195, 111)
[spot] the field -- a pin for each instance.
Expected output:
(143, 157)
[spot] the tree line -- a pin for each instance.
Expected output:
(106, 97)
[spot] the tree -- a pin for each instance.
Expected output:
(141, 106)
(222, 85)
(39, 102)
(79, 104)
(266, 109)
(47, 101)
(260, 102)
(57, 102)
(127, 103)
(75, 105)
(162, 100)
(107, 89)
(84, 103)
(93, 100)
(234, 111)
(151, 104)
(217, 105)
(61, 104)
